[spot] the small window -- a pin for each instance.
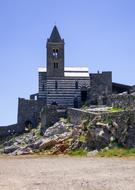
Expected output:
(55, 53)
(56, 84)
(76, 84)
(55, 65)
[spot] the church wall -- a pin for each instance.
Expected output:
(66, 90)
(42, 85)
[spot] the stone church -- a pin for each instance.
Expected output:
(62, 86)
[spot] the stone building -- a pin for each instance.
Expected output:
(62, 86)
(58, 84)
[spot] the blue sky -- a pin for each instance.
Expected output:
(99, 34)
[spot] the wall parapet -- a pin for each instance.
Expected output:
(77, 116)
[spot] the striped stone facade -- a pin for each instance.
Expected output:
(68, 89)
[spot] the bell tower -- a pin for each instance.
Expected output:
(55, 54)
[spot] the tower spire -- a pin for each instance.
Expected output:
(55, 36)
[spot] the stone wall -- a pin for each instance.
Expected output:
(101, 84)
(76, 116)
(29, 112)
(51, 114)
(8, 130)
(125, 101)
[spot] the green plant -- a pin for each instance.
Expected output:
(82, 138)
(79, 152)
(65, 120)
(107, 120)
(115, 109)
(117, 152)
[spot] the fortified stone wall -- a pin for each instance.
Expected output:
(29, 112)
(101, 84)
(125, 101)
(77, 116)
(9, 130)
(51, 114)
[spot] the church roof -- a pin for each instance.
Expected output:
(76, 69)
(42, 69)
(71, 71)
(76, 72)
(55, 36)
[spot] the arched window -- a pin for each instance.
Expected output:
(56, 84)
(55, 52)
(76, 84)
(55, 65)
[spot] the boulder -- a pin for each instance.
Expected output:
(22, 151)
(92, 153)
(10, 149)
(60, 148)
(97, 138)
(47, 143)
(57, 129)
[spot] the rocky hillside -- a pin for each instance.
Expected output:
(102, 132)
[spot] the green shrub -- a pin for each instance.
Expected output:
(117, 152)
(79, 152)
(82, 138)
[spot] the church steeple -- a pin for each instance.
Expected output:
(55, 54)
(55, 36)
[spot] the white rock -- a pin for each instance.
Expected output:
(92, 153)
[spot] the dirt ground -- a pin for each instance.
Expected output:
(66, 173)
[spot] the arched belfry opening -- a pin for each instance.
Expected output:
(84, 94)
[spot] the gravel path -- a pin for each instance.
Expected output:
(66, 173)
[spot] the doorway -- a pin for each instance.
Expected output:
(83, 94)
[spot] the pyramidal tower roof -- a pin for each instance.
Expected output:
(55, 36)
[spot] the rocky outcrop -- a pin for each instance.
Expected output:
(104, 130)
(53, 141)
